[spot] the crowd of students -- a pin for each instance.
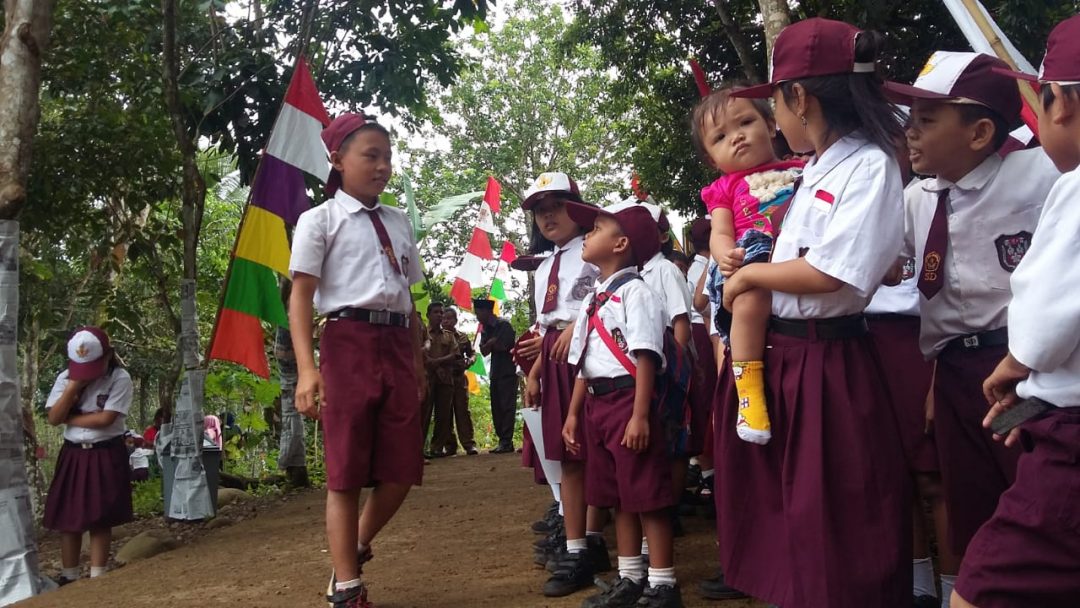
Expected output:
(876, 319)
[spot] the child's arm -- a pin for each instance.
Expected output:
(793, 276)
(532, 386)
(58, 413)
(636, 436)
(561, 349)
(570, 427)
(681, 325)
(309, 383)
(1000, 392)
(96, 420)
(722, 238)
(701, 299)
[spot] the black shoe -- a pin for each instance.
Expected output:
(549, 522)
(554, 539)
(598, 553)
(574, 573)
(661, 596)
(471, 452)
(620, 593)
(503, 449)
(349, 598)
(693, 476)
(718, 589)
(926, 601)
(62, 580)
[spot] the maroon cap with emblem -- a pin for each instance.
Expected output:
(333, 136)
(808, 48)
(1060, 65)
(635, 220)
(955, 77)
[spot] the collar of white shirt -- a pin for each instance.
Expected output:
(976, 179)
(604, 286)
(570, 244)
(351, 204)
(653, 263)
(818, 168)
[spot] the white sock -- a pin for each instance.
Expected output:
(577, 545)
(694, 460)
(632, 568)
(589, 533)
(96, 571)
(923, 575)
(345, 585)
(708, 474)
(644, 546)
(947, 582)
(70, 574)
(662, 576)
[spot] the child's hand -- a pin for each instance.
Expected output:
(532, 392)
(731, 261)
(733, 288)
(560, 351)
(529, 349)
(1000, 392)
(569, 434)
(309, 387)
(636, 436)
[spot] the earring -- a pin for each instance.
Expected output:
(802, 119)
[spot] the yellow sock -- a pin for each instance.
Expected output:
(753, 424)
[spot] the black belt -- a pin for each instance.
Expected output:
(374, 317)
(889, 316)
(95, 445)
(598, 387)
(994, 337)
(836, 328)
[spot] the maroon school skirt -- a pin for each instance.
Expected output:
(821, 515)
(370, 406)
(975, 469)
(616, 476)
(701, 389)
(1028, 553)
(908, 377)
(556, 389)
(90, 489)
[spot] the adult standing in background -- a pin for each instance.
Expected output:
(497, 340)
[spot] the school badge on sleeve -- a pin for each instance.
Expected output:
(1011, 249)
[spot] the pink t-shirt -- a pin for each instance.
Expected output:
(753, 194)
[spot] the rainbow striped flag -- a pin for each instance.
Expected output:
(278, 197)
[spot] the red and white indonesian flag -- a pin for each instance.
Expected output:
(472, 269)
(301, 119)
(489, 207)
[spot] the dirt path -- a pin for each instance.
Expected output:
(461, 540)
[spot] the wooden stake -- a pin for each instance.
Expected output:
(1026, 90)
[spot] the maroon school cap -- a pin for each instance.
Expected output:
(1061, 65)
(963, 78)
(808, 48)
(87, 350)
(550, 184)
(333, 136)
(635, 220)
(700, 230)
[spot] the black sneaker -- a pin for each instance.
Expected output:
(620, 593)
(549, 522)
(362, 557)
(573, 574)
(350, 598)
(693, 476)
(926, 601)
(661, 596)
(598, 553)
(718, 589)
(63, 580)
(503, 449)
(553, 540)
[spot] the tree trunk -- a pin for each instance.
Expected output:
(776, 16)
(190, 496)
(25, 39)
(739, 41)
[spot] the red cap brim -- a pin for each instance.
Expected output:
(583, 214)
(527, 263)
(904, 94)
(760, 91)
(91, 370)
(1017, 75)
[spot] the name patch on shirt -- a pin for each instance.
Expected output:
(1011, 249)
(102, 400)
(823, 200)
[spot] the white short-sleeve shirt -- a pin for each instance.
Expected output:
(111, 392)
(668, 282)
(992, 214)
(903, 298)
(576, 280)
(634, 318)
(1044, 318)
(337, 243)
(847, 221)
(697, 268)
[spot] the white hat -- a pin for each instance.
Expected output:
(550, 182)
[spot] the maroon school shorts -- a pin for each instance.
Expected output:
(556, 389)
(701, 389)
(908, 377)
(975, 469)
(1028, 553)
(616, 476)
(370, 405)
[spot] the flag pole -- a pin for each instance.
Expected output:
(1026, 90)
(240, 228)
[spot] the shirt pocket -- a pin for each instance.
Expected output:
(1005, 243)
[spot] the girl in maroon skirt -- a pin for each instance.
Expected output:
(563, 280)
(820, 515)
(91, 488)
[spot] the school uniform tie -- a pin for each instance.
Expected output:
(551, 296)
(932, 277)
(384, 239)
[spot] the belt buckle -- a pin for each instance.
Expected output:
(590, 389)
(86, 446)
(379, 317)
(971, 341)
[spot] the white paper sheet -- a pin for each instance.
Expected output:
(552, 468)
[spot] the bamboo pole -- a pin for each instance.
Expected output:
(1026, 90)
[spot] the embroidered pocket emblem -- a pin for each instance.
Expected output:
(1011, 249)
